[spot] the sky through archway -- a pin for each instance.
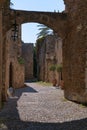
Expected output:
(30, 30)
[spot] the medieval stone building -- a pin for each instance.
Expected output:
(70, 25)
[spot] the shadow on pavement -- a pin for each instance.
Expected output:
(10, 119)
(21, 125)
(26, 89)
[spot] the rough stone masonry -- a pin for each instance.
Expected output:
(71, 26)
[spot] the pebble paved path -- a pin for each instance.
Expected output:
(42, 108)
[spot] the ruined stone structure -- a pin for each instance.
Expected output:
(13, 68)
(27, 54)
(49, 52)
(71, 26)
(74, 51)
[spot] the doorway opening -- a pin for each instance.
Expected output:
(10, 75)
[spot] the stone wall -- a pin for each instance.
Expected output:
(18, 74)
(71, 25)
(49, 53)
(50, 59)
(27, 54)
(74, 51)
(0, 56)
(14, 73)
(53, 57)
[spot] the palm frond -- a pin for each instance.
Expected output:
(43, 30)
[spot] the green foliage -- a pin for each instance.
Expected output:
(21, 60)
(59, 67)
(44, 83)
(56, 67)
(40, 40)
(84, 105)
(44, 31)
(64, 99)
(52, 68)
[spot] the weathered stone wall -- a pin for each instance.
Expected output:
(0, 56)
(74, 51)
(27, 54)
(18, 74)
(58, 50)
(49, 53)
(53, 57)
(50, 58)
(14, 73)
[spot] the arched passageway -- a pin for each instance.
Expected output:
(40, 107)
(70, 27)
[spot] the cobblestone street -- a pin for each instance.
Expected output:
(42, 108)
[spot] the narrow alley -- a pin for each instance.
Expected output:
(37, 107)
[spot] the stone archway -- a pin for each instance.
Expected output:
(74, 35)
(56, 21)
(71, 25)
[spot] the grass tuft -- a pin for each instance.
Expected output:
(44, 83)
